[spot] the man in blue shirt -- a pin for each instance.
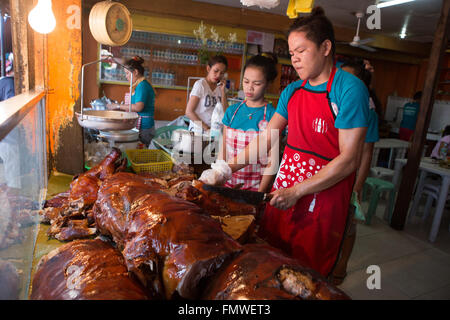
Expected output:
(410, 112)
(7, 82)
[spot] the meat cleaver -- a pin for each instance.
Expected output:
(251, 197)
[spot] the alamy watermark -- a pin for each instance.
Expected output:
(374, 17)
(374, 280)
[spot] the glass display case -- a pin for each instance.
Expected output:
(23, 185)
(169, 59)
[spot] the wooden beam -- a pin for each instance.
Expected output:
(387, 55)
(423, 121)
(20, 36)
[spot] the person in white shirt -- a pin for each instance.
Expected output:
(205, 93)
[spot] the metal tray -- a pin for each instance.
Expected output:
(107, 119)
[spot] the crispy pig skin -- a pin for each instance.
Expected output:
(169, 243)
(262, 272)
(85, 270)
(219, 205)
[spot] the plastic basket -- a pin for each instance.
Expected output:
(149, 160)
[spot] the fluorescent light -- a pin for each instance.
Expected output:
(391, 3)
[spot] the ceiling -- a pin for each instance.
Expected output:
(420, 16)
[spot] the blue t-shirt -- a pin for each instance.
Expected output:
(6, 88)
(410, 112)
(372, 130)
(242, 119)
(144, 93)
(348, 95)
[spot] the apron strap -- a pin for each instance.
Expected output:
(331, 78)
(234, 114)
(329, 82)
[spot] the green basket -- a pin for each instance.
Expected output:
(149, 160)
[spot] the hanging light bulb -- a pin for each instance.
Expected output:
(41, 17)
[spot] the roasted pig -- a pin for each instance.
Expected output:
(170, 244)
(262, 272)
(85, 270)
(76, 203)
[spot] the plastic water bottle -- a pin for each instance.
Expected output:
(443, 150)
(216, 121)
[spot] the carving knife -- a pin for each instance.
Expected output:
(251, 197)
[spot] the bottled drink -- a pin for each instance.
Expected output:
(443, 150)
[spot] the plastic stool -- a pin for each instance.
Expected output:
(378, 186)
(432, 190)
(380, 172)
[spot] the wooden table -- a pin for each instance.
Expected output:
(428, 166)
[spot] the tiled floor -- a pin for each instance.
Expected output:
(411, 266)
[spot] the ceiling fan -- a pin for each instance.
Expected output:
(357, 42)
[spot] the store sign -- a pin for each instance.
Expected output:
(265, 40)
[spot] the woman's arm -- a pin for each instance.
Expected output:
(224, 95)
(364, 168)
(190, 111)
(222, 147)
(135, 107)
(260, 146)
(350, 146)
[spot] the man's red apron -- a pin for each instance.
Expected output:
(312, 230)
(236, 140)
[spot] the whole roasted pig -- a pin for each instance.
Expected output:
(85, 270)
(68, 212)
(262, 272)
(170, 244)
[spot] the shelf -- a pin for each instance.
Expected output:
(285, 61)
(133, 43)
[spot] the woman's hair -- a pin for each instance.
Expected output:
(317, 26)
(417, 95)
(136, 63)
(267, 62)
(362, 73)
(217, 59)
(446, 131)
(360, 70)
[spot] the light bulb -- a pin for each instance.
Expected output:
(41, 17)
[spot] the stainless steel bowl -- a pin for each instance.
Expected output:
(107, 119)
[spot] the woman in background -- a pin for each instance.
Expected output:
(244, 121)
(443, 143)
(205, 93)
(142, 99)
(410, 112)
(359, 69)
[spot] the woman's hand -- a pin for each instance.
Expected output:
(113, 106)
(222, 84)
(285, 198)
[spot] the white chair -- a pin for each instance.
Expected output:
(431, 189)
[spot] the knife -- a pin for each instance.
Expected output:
(251, 197)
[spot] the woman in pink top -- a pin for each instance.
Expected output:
(441, 143)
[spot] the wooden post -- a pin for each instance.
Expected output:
(426, 107)
(20, 37)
